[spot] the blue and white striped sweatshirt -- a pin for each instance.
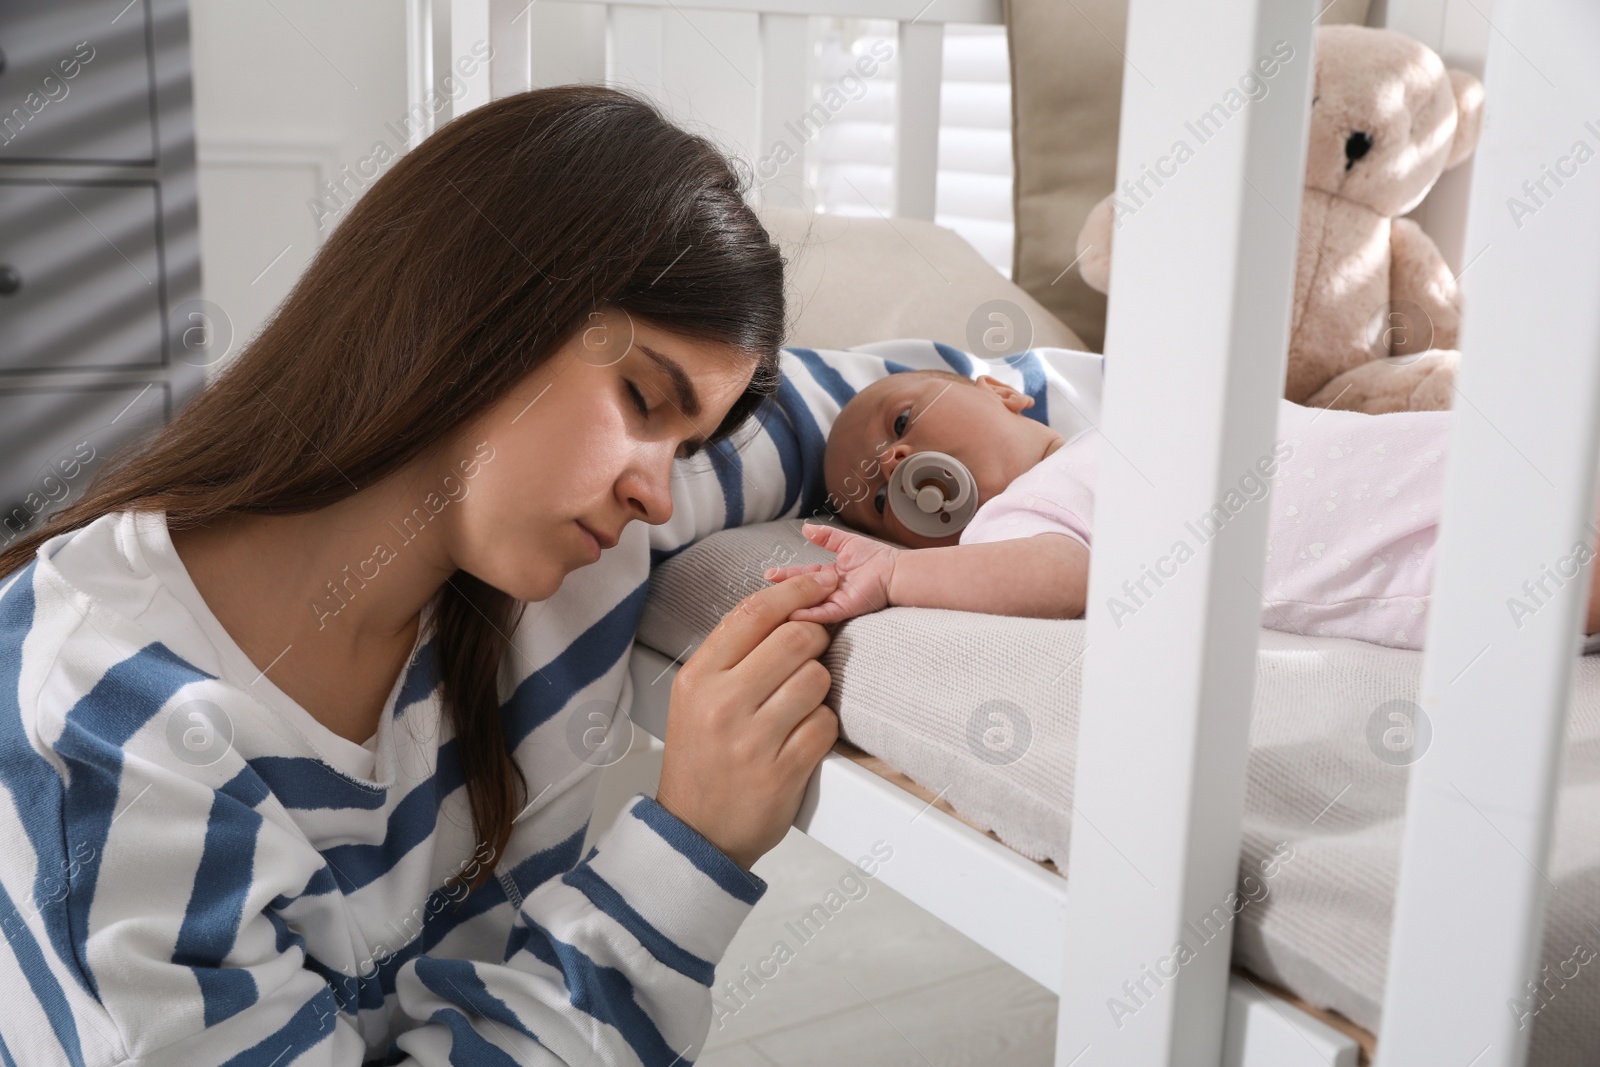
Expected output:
(194, 871)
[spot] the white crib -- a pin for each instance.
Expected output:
(1216, 253)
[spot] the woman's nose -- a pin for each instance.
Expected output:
(649, 496)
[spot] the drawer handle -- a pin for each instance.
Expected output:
(10, 280)
(2, 61)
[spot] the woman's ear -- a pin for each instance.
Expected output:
(1011, 398)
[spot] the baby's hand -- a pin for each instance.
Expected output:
(863, 565)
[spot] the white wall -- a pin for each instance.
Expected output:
(287, 93)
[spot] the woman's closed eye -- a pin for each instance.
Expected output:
(690, 451)
(638, 398)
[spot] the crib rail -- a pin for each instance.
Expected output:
(1160, 765)
(764, 49)
(1159, 781)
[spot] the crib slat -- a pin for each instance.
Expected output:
(916, 133)
(1198, 324)
(983, 12)
(1518, 500)
(785, 85)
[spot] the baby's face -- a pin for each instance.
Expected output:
(981, 425)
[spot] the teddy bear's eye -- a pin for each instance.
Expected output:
(1355, 147)
(1314, 100)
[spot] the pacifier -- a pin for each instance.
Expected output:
(933, 494)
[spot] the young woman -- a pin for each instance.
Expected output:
(256, 811)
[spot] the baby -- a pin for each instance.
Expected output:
(1350, 537)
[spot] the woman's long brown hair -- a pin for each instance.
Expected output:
(457, 273)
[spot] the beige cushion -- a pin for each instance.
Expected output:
(1066, 82)
(851, 281)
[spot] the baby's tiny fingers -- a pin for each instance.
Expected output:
(822, 534)
(827, 613)
(779, 574)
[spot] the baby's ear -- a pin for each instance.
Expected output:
(1015, 400)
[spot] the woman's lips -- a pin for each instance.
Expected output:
(594, 542)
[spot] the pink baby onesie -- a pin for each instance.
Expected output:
(1350, 537)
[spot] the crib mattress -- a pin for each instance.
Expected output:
(880, 767)
(917, 686)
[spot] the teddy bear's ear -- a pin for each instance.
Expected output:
(1094, 245)
(1469, 115)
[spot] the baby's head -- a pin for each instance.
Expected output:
(978, 422)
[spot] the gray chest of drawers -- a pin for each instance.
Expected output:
(103, 334)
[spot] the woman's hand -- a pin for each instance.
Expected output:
(746, 725)
(864, 567)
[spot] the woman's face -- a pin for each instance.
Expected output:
(589, 437)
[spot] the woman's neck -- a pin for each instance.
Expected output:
(325, 603)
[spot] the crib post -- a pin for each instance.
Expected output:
(1197, 328)
(1508, 589)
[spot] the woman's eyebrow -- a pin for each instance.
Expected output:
(688, 399)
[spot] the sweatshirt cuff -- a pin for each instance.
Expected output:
(678, 885)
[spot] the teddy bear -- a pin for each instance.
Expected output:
(1376, 309)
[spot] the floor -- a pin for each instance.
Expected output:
(881, 983)
(878, 983)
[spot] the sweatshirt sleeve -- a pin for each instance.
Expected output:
(143, 909)
(609, 963)
(191, 963)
